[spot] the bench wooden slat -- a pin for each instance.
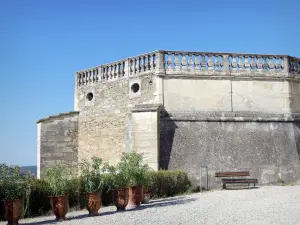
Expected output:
(231, 181)
(232, 174)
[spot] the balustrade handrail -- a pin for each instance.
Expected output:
(221, 53)
(175, 61)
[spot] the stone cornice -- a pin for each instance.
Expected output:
(230, 116)
(60, 115)
(146, 108)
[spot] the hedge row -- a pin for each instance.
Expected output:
(163, 184)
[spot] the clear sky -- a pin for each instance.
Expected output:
(43, 43)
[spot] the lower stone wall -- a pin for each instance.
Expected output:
(57, 142)
(268, 146)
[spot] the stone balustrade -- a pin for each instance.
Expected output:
(192, 63)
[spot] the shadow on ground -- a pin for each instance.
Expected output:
(239, 188)
(153, 203)
(165, 202)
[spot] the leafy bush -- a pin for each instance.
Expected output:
(13, 182)
(90, 173)
(58, 179)
(133, 170)
(165, 183)
(37, 200)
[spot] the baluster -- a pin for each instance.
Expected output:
(210, 63)
(133, 66)
(82, 78)
(253, 64)
(191, 65)
(234, 64)
(137, 65)
(247, 64)
(124, 68)
(78, 76)
(86, 77)
(96, 75)
(93, 75)
(217, 63)
(111, 71)
(146, 63)
(183, 62)
(107, 72)
(170, 62)
(153, 61)
(292, 65)
(265, 63)
(225, 64)
(259, 64)
(197, 63)
(141, 64)
(104, 73)
(117, 69)
(277, 64)
(176, 62)
(271, 64)
(203, 63)
(241, 64)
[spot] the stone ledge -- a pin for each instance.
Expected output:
(58, 116)
(146, 108)
(230, 116)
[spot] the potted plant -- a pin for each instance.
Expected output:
(57, 178)
(90, 173)
(13, 188)
(139, 174)
(120, 181)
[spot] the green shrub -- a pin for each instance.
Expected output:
(90, 173)
(107, 187)
(165, 183)
(58, 178)
(37, 200)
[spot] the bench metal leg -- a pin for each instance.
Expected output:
(224, 186)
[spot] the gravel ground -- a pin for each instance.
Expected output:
(266, 205)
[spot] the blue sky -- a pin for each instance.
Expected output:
(43, 43)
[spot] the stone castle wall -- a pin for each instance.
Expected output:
(104, 123)
(275, 96)
(57, 142)
(269, 149)
(183, 109)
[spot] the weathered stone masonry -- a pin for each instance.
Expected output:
(185, 109)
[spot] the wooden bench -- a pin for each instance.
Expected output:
(235, 180)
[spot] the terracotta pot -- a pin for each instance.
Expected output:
(59, 206)
(93, 203)
(13, 211)
(135, 197)
(120, 198)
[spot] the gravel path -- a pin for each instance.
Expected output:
(266, 205)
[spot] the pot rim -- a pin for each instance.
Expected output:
(93, 192)
(17, 199)
(56, 196)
